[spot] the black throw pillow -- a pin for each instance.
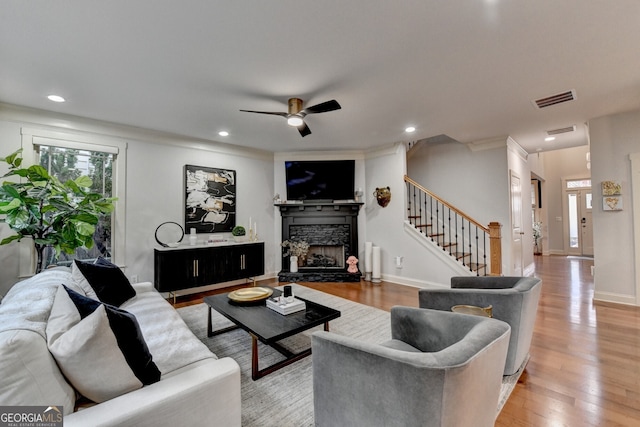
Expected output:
(108, 281)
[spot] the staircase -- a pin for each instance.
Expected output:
(475, 246)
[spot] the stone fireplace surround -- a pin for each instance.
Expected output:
(321, 224)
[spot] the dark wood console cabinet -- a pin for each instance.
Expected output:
(192, 266)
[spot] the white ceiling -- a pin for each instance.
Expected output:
(468, 69)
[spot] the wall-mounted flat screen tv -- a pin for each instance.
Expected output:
(320, 180)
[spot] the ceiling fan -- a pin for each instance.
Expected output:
(295, 116)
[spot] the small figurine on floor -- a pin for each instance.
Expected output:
(353, 262)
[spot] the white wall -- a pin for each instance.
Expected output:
(155, 183)
(473, 178)
(613, 138)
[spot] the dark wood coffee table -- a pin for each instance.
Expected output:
(269, 327)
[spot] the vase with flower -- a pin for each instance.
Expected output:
(295, 250)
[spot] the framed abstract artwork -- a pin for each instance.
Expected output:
(210, 199)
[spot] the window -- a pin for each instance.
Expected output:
(579, 183)
(70, 163)
(104, 160)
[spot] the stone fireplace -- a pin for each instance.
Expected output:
(331, 229)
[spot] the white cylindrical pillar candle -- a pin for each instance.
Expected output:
(368, 250)
(375, 265)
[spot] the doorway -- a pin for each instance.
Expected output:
(578, 205)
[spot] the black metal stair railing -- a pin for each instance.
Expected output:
(455, 232)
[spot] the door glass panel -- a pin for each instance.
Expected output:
(573, 220)
(588, 200)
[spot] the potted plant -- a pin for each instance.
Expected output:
(56, 214)
(296, 249)
(239, 233)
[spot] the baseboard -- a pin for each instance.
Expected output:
(412, 282)
(614, 298)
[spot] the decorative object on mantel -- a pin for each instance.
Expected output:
(383, 196)
(210, 199)
(375, 265)
(353, 264)
(611, 199)
(239, 234)
(368, 260)
(59, 215)
(169, 234)
(193, 239)
(296, 250)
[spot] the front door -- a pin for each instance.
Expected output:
(579, 221)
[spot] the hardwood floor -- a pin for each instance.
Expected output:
(585, 357)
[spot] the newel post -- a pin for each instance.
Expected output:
(495, 247)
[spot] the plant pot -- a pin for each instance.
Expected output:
(293, 266)
(240, 239)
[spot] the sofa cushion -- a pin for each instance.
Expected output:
(110, 284)
(98, 347)
(29, 375)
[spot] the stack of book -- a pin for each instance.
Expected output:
(287, 308)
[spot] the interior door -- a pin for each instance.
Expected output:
(516, 224)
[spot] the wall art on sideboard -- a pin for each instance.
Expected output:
(210, 199)
(612, 203)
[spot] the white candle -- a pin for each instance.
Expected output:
(255, 229)
(367, 256)
(375, 274)
(249, 223)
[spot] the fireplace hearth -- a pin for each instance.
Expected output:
(331, 229)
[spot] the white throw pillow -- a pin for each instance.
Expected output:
(29, 375)
(98, 347)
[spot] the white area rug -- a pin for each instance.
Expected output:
(285, 397)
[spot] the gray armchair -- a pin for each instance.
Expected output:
(514, 300)
(438, 369)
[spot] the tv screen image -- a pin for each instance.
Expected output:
(320, 180)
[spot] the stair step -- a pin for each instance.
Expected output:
(475, 266)
(460, 255)
(448, 245)
(422, 225)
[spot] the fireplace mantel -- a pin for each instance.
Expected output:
(320, 223)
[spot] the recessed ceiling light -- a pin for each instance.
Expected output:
(55, 98)
(410, 129)
(550, 138)
(223, 133)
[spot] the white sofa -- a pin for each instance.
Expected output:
(196, 388)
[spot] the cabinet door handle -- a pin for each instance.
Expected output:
(242, 262)
(195, 268)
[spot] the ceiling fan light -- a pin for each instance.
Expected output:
(295, 121)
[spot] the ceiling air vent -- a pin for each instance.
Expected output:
(561, 130)
(555, 99)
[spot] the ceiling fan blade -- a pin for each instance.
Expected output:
(266, 112)
(304, 129)
(322, 108)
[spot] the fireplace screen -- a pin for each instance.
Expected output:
(325, 256)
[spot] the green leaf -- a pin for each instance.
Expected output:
(38, 173)
(11, 191)
(84, 228)
(10, 239)
(84, 181)
(13, 204)
(11, 158)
